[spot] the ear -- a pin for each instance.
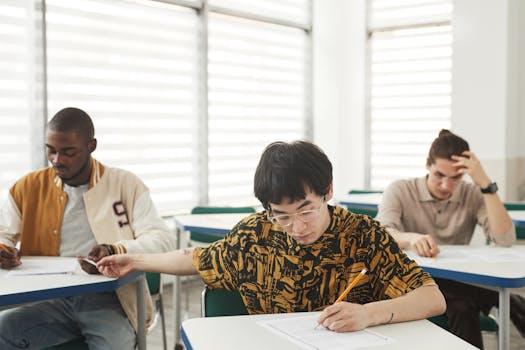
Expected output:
(330, 194)
(92, 145)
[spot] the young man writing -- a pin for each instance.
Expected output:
(77, 207)
(300, 253)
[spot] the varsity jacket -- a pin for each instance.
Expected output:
(119, 211)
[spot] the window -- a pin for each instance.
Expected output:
(257, 95)
(185, 94)
(16, 91)
(410, 48)
(133, 67)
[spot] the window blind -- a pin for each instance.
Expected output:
(133, 67)
(257, 93)
(410, 48)
(297, 11)
(16, 91)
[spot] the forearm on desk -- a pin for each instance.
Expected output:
(423, 302)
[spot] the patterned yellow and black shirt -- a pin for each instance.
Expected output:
(276, 274)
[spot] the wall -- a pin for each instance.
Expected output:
(339, 94)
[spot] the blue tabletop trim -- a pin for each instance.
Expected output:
(502, 282)
(61, 292)
(185, 340)
(208, 230)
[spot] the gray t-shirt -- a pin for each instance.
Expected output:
(408, 206)
(76, 237)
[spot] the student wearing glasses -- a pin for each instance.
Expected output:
(441, 208)
(300, 253)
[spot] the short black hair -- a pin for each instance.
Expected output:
(73, 119)
(288, 170)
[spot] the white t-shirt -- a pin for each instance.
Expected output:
(77, 237)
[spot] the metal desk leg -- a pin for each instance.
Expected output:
(176, 299)
(141, 312)
(504, 319)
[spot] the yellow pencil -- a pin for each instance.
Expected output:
(351, 285)
(349, 288)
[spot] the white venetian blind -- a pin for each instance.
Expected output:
(258, 76)
(131, 65)
(410, 84)
(297, 11)
(16, 91)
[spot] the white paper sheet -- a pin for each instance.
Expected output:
(472, 254)
(301, 330)
(44, 267)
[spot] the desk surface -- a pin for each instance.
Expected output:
(17, 290)
(518, 216)
(487, 265)
(365, 200)
(244, 332)
(24, 289)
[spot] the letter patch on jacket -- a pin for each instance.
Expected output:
(120, 210)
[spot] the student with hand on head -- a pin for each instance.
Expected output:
(300, 253)
(441, 208)
(77, 207)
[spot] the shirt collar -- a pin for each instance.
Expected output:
(425, 196)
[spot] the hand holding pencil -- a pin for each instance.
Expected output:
(9, 257)
(334, 309)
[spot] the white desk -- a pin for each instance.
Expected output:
(216, 224)
(364, 201)
(18, 290)
(518, 216)
(483, 271)
(243, 332)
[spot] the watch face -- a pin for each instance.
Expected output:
(493, 188)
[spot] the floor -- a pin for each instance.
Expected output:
(191, 292)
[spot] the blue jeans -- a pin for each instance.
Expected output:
(99, 318)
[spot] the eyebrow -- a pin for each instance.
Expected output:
(303, 204)
(62, 149)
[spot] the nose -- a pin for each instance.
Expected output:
(446, 184)
(55, 158)
(297, 226)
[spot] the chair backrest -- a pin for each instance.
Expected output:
(364, 191)
(205, 238)
(220, 302)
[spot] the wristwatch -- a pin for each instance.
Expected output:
(492, 188)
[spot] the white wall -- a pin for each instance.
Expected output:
(339, 94)
(488, 107)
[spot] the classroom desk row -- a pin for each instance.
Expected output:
(500, 269)
(22, 290)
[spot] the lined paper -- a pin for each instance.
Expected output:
(300, 330)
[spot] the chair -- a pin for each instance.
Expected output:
(364, 191)
(220, 302)
(155, 289)
(520, 230)
(204, 238)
